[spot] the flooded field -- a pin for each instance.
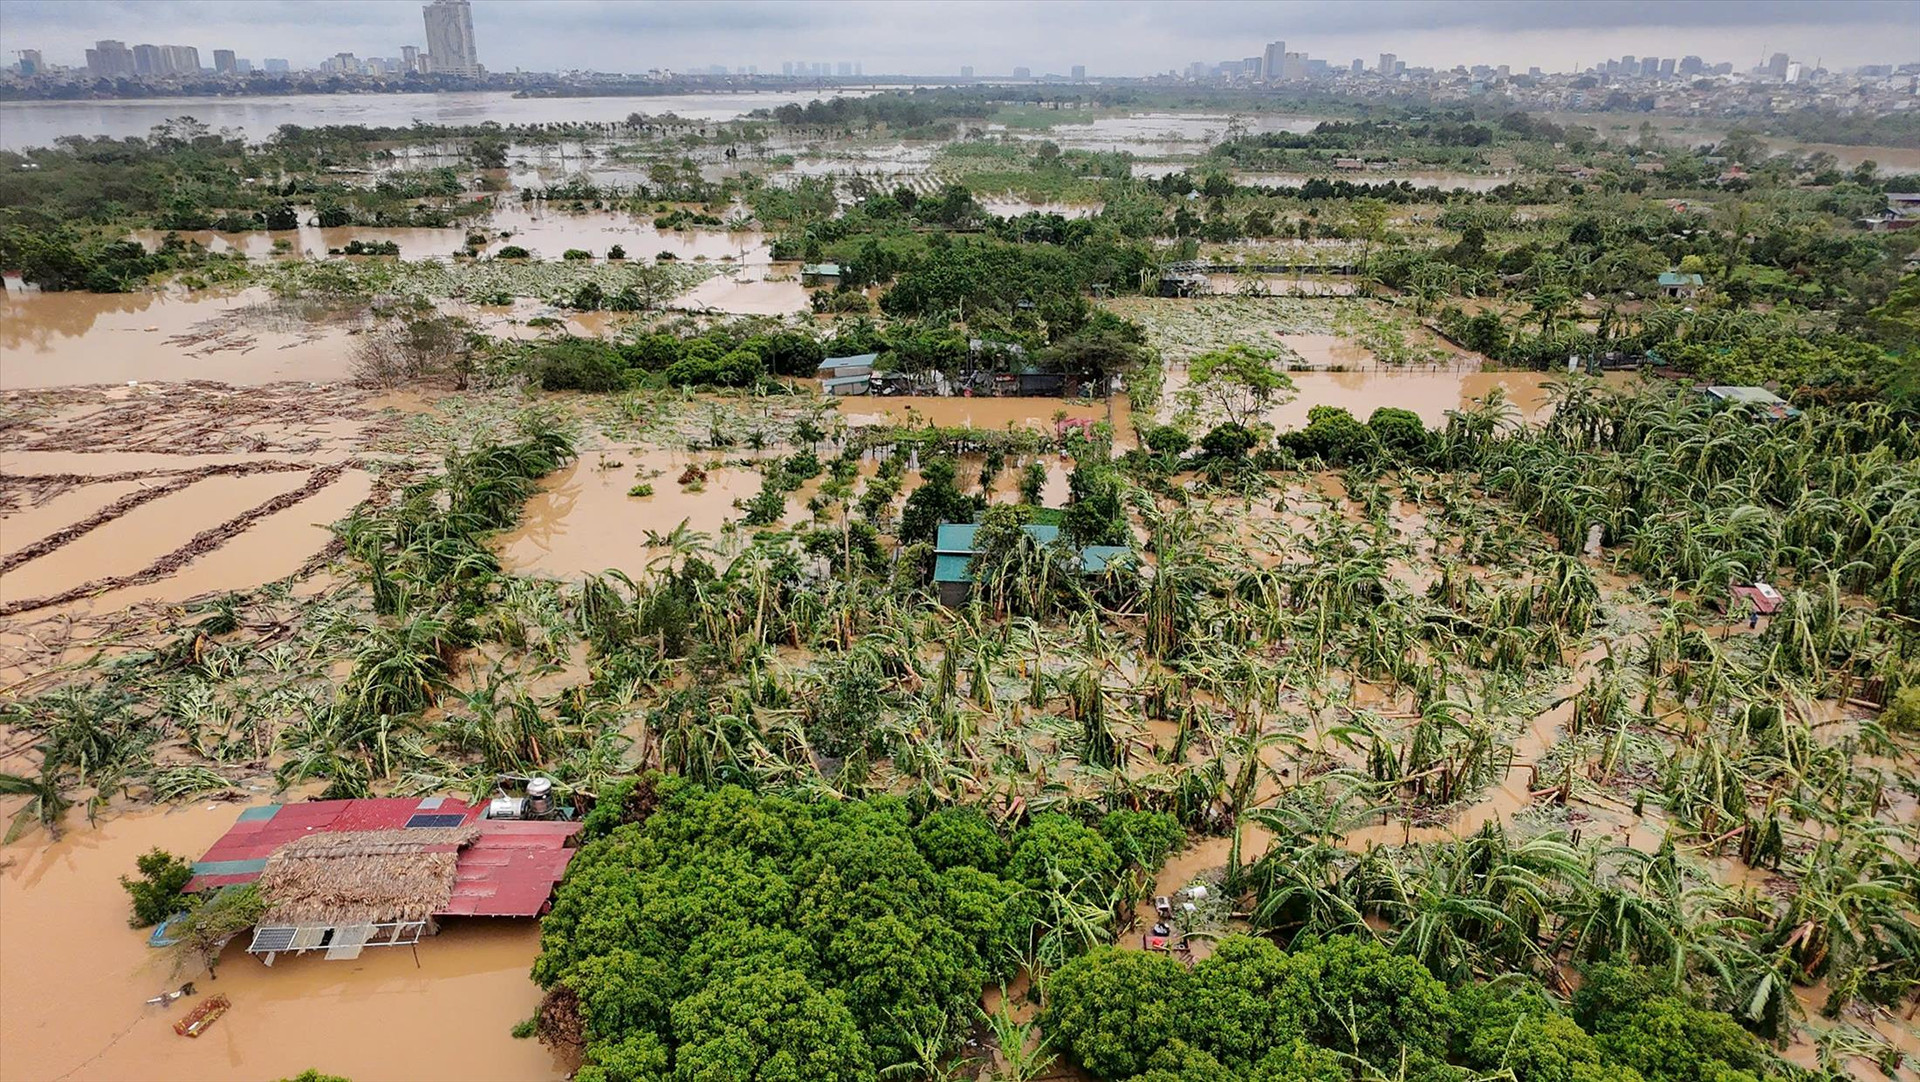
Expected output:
(546, 233)
(996, 413)
(73, 339)
(76, 978)
(1446, 181)
(39, 123)
(583, 522)
(1158, 133)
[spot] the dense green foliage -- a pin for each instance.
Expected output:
(1346, 1008)
(741, 936)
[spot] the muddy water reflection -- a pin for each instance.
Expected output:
(74, 978)
(73, 339)
(582, 521)
(545, 232)
(996, 413)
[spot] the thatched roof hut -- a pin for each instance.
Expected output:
(363, 877)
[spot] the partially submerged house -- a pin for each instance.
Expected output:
(345, 875)
(856, 364)
(820, 274)
(1758, 398)
(954, 546)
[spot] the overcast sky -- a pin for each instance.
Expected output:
(1120, 37)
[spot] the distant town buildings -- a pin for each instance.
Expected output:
(450, 47)
(108, 59)
(1079, 73)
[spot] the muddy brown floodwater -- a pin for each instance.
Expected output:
(994, 413)
(74, 978)
(74, 339)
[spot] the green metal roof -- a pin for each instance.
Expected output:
(951, 568)
(1671, 278)
(959, 536)
(1097, 558)
(820, 268)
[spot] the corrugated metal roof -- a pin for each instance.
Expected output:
(951, 568)
(511, 869)
(958, 537)
(1096, 558)
(242, 851)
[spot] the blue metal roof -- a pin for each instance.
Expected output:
(1097, 558)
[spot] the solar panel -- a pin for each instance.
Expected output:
(271, 938)
(425, 820)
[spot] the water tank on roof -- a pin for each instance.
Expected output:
(539, 798)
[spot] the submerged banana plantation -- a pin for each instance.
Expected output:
(1392, 700)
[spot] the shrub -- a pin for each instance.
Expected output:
(573, 255)
(1399, 431)
(578, 364)
(512, 251)
(157, 893)
(1229, 441)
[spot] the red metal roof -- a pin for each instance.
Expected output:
(241, 852)
(1764, 601)
(509, 871)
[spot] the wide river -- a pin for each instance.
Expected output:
(39, 123)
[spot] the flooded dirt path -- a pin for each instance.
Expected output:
(74, 978)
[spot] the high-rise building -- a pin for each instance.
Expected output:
(410, 57)
(151, 60)
(1270, 61)
(1689, 65)
(1650, 66)
(1079, 73)
(275, 66)
(30, 63)
(1777, 66)
(1023, 73)
(1357, 66)
(966, 71)
(224, 62)
(844, 69)
(109, 58)
(450, 47)
(182, 59)
(1386, 63)
(1794, 70)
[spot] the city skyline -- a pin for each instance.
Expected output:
(937, 37)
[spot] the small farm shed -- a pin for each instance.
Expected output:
(1677, 285)
(1758, 398)
(820, 274)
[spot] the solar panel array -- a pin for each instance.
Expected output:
(431, 820)
(272, 938)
